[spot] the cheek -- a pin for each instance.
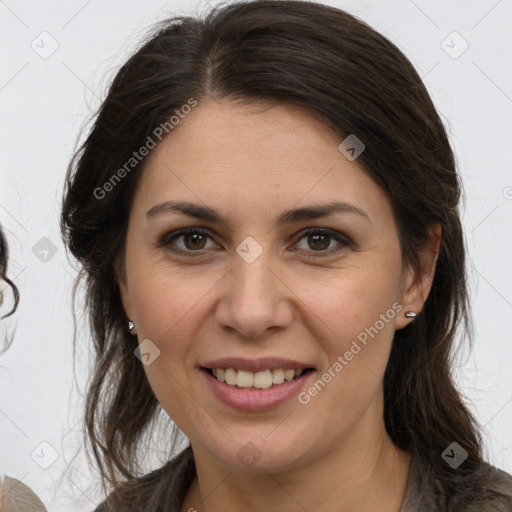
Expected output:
(166, 302)
(169, 309)
(354, 321)
(355, 304)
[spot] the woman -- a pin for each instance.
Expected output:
(266, 211)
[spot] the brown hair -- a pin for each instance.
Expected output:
(358, 82)
(4, 259)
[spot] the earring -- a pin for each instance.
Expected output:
(131, 326)
(410, 314)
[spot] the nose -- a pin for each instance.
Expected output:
(254, 299)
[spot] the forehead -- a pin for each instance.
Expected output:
(266, 154)
(231, 132)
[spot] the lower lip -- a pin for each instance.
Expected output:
(252, 399)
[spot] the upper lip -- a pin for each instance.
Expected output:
(255, 365)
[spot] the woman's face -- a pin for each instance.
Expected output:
(268, 288)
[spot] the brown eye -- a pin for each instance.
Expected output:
(186, 240)
(194, 241)
(319, 242)
(323, 241)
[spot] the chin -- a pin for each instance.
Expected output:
(260, 453)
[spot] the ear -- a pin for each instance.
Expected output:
(418, 282)
(123, 289)
(125, 298)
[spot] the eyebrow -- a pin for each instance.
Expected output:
(287, 217)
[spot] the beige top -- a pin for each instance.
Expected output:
(421, 493)
(15, 496)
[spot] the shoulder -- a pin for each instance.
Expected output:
(486, 489)
(161, 489)
(497, 490)
(15, 496)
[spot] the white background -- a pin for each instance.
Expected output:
(44, 103)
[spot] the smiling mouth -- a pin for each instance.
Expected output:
(264, 379)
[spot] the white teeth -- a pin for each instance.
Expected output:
(244, 379)
(289, 374)
(264, 379)
(277, 376)
(230, 376)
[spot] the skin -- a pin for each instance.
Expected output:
(294, 301)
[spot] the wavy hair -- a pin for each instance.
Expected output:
(356, 81)
(4, 260)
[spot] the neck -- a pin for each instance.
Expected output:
(364, 473)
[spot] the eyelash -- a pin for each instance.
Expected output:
(171, 237)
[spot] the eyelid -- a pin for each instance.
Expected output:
(343, 241)
(339, 237)
(173, 235)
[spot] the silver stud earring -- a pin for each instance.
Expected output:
(410, 314)
(131, 326)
